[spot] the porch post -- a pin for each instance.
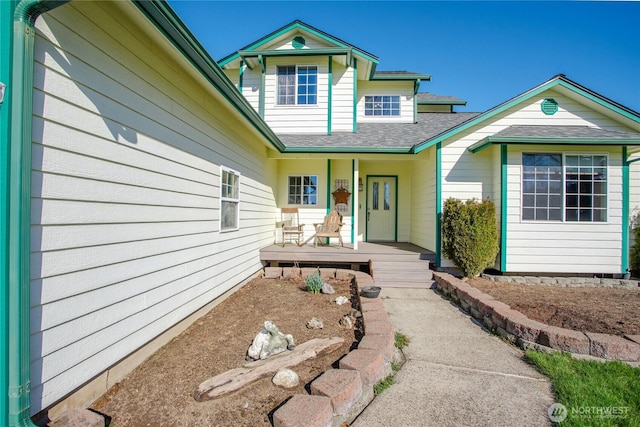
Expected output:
(355, 205)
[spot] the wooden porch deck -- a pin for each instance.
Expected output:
(390, 264)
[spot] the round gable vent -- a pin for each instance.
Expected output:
(298, 42)
(549, 106)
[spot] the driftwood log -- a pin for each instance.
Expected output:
(239, 377)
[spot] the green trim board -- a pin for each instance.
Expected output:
(438, 204)
(354, 150)
(625, 210)
(329, 94)
(353, 192)
(401, 77)
(263, 82)
(355, 95)
(171, 26)
(240, 76)
(559, 80)
(490, 140)
(504, 183)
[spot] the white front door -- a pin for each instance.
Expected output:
(381, 208)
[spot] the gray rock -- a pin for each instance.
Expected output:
(315, 323)
(286, 378)
(327, 289)
(347, 322)
(342, 300)
(269, 341)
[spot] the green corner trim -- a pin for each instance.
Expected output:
(241, 76)
(330, 95)
(355, 95)
(503, 205)
(438, 204)
(263, 80)
(328, 186)
(625, 210)
(353, 206)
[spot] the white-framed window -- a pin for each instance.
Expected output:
(382, 105)
(297, 85)
(303, 190)
(229, 199)
(569, 187)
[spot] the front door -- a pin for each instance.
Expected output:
(381, 208)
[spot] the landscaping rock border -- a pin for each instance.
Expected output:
(338, 396)
(570, 282)
(527, 333)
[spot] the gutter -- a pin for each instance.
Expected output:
(15, 153)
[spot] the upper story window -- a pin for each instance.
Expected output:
(297, 85)
(575, 191)
(229, 200)
(382, 105)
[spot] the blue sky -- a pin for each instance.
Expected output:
(483, 52)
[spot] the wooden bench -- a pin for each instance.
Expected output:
(331, 227)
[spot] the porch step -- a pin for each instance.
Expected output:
(409, 272)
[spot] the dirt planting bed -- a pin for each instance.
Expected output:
(586, 309)
(160, 391)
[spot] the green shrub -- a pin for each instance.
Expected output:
(635, 249)
(313, 283)
(470, 234)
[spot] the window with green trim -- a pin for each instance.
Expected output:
(571, 188)
(229, 200)
(382, 105)
(297, 85)
(303, 190)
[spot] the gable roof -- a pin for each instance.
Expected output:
(559, 80)
(340, 47)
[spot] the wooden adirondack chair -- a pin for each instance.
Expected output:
(291, 227)
(329, 228)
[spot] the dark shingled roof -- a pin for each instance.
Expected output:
(395, 136)
(564, 132)
(430, 98)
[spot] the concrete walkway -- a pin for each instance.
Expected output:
(456, 373)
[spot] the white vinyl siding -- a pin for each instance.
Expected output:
(404, 90)
(127, 148)
(296, 119)
(251, 86)
(342, 96)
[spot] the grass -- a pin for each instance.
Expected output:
(401, 340)
(382, 385)
(594, 393)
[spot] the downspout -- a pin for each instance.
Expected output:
(17, 109)
(438, 204)
(625, 210)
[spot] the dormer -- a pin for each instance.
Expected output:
(304, 81)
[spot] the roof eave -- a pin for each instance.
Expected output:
(492, 140)
(169, 24)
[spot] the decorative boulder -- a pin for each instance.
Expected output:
(286, 378)
(327, 289)
(342, 300)
(268, 342)
(315, 323)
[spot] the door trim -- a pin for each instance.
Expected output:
(366, 221)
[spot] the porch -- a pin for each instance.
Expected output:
(390, 264)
